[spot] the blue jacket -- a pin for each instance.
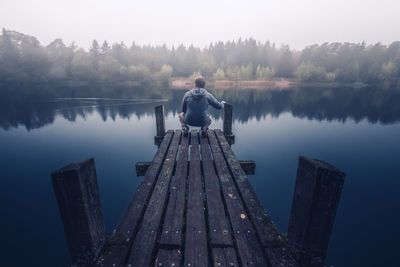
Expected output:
(195, 104)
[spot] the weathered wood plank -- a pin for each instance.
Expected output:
(78, 199)
(249, 249)
(116, 249)
(315, 202)
(227, 119)
(145, 240)
(173, 222)
(269, 234)
(220, 233)
(142, 167)
(248, 166)
(272, 241)
(225, 257)
(280, 257)
(227, 124)
(168, 258)
(160, 124)
(196, 252)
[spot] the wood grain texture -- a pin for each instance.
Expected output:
(269, 234)
(315, 202)
(225, 256)
(160, 120)
(172, 232)
(168, 258)
(196, 207)
(78, 199)
(220, 231)
(144, 243)
(196, 250)
(249, 248)
(117, 246)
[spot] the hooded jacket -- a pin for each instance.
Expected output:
(195, 104)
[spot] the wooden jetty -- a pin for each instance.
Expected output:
(196, 207)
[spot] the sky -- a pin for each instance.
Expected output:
(296, 23)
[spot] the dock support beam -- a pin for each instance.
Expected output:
(160, 124)
(248, 166)
(315, 201)
(78, 198)
(227, 127)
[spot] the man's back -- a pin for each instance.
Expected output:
(194, 107)
(195, 104)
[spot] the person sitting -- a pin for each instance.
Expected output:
(194, 107)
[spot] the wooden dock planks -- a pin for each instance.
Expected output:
(225, 257)
(117, 247)
(168, 258)
(196, 207)
(270, 236)
(204, 214)
(171, 234)
(196, 250)
(272, 241)
(220, 232)
(249, 248)
(145, 241)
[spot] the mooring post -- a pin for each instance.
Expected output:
(160, 124)
(78, 199)
(227, 127)
(315, 201)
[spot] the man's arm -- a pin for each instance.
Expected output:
(184, 103)
(214, 102)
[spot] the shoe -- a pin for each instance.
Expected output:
(185, 131)
(203, 132)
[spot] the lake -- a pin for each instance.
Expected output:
(357, 130)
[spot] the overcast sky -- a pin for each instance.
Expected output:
(294, 22)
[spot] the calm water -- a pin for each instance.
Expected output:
(356, 130)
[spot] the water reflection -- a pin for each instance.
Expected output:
(340, 104)
(365, 151)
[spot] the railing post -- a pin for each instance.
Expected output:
(160, 124)
(78, 198)
(315, 201)
(227, 127)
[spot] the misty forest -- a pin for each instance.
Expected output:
(59, 68)
(334, 102)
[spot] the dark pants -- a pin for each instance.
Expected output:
(184, 124)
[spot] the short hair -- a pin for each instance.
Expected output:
(199, 82)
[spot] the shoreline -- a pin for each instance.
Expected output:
(276, 83)
(179, 83)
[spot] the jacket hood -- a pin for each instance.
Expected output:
(198, 93)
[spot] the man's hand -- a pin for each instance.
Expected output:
(223, 102)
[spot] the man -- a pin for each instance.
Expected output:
(194, 107)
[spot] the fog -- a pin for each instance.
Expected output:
(296, 23)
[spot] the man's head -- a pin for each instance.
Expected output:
(199, 82)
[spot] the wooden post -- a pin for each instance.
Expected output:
(78, 199)
(160, 124)
(315, 201)
(227, 127)
(227, 119)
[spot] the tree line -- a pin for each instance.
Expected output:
(24, 60)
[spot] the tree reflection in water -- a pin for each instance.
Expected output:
(373, 104)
